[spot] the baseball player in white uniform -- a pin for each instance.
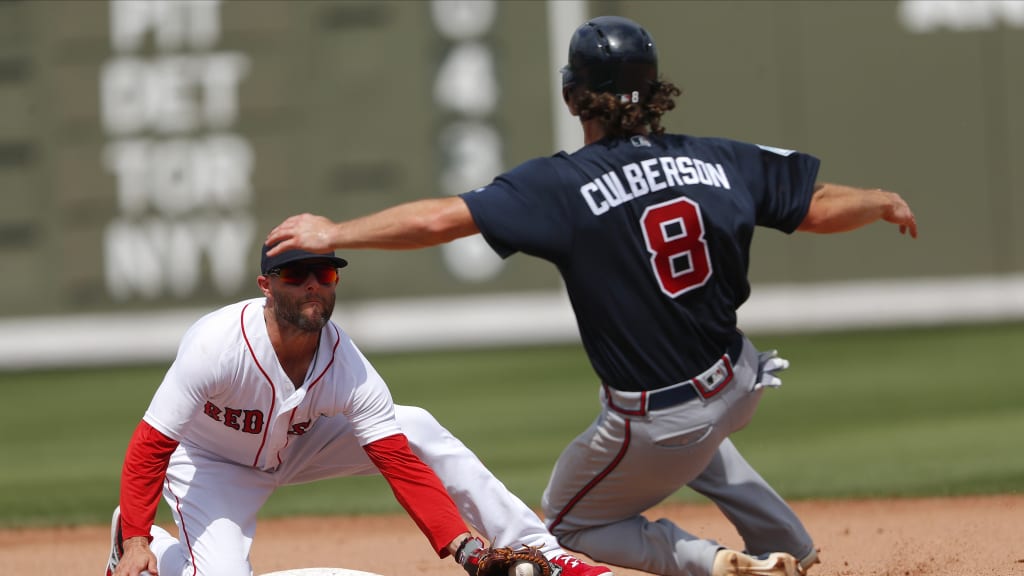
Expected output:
(269, 392)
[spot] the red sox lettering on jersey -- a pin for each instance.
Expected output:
(248, 421)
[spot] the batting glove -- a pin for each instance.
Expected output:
(768, 363)
(468, 554)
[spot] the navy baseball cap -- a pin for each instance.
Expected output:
(268, 263)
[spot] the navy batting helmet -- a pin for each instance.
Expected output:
(612, 54)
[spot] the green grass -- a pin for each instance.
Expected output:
(915, 413)
(901, 413)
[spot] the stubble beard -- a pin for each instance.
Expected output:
(288, 311)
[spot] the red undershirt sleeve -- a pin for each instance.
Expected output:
(145, 467)
(418, 490)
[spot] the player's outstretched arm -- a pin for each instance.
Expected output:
(838, 208)
(406, 226)
(420, 492)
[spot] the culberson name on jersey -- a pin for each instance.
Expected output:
(653, 175)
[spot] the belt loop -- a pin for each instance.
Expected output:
(642, 411)
(714, 379)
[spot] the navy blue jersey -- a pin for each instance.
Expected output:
(652, 238)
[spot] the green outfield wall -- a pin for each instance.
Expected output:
(147, 147)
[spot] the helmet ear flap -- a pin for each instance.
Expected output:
(568, 78)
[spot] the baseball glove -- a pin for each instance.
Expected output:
(480, 560)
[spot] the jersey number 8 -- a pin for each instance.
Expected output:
(674, 234)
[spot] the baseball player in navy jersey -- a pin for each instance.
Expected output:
(651, 233)
(269, 392)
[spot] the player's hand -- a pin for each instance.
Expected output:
(136, 559)
(303, 232)
(768, 364)
(480, 560)
(899, 212)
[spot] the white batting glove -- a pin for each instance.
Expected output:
(768, 363)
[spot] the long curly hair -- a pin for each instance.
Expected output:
(622, 119)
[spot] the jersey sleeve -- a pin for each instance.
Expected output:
(368, 404)
(145, 465)
(418, 490)
(192, 377)
(781, 182)
(523, 210)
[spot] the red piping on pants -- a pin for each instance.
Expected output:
(597, 479)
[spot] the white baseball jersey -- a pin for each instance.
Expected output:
(244, 430)
(226, 393)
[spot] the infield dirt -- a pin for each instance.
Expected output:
(973, 536)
